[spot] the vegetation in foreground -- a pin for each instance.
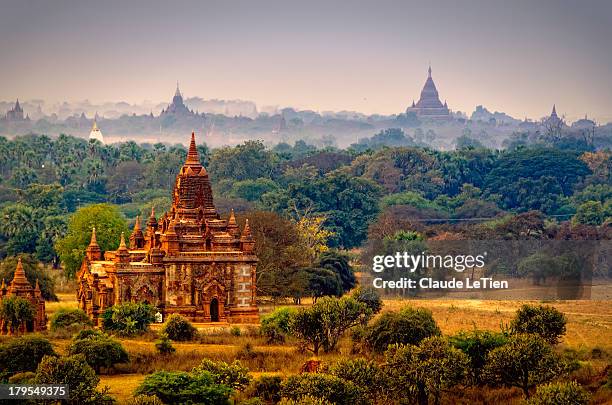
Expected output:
(224, 364)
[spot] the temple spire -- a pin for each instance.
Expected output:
(177, 92)
(19, 272)
(137, 224)
(554, 111)
(232, 226)
(122, 245)
(247, 243)
(93, 241)
(93, 251)
(20, 282)
(232, 218)
(246, 232)
(429, 70)
(193, 158)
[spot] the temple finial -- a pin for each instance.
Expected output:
(122, 244)
(93, 241)
(429, 70)
(246, 232)
(193, 158)
(19, 272)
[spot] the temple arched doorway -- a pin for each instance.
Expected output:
(214, 310)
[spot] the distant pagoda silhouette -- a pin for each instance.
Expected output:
(177, 107)
(429, 106)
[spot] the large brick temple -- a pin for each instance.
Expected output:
(189, 261)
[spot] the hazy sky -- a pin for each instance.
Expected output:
(519, 57)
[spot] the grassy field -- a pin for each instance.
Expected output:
(589, 327)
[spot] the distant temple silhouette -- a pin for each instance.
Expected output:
(429, 106)
(16, 113)
(177, 107)
(554, 119)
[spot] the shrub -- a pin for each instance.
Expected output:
(252, 401)
(17, 313)
(408, 326)
(164, 345)
(560, 393)
(365, 374)
(305, 400)
(525, 361)
(69, 317)
(543, 320)
(275, 326)
(23, 354)
(324, 323)
(181, 387)
(476, 345)
(145, 400)
(179, 329)
(88, 333)
(267, 388)
(235, 331)
(424, 370)
(233, 375)
(369, 296)
(99, 351)
(77, 374)
(321, 386)
(22, 378)
(128, 319)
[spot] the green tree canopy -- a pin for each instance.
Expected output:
(407, 326)
(324, 323)
(424, 371)
(109, 224)
(17, 313)
(524, 362)
(543, 320)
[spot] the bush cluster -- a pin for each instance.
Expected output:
(275, 326)
(407, 326)
(99, 350)
(209, 383)
(23, 354)
(179, 329)
(128, 319)
(69, 318)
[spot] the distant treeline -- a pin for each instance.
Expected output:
(44, 180)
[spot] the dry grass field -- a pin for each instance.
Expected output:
(589, 322)
(589, 327)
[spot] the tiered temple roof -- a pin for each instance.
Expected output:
(188, 261)
(429, 105)
(177, 107)
(21, 287)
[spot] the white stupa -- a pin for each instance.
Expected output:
(96, 133)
